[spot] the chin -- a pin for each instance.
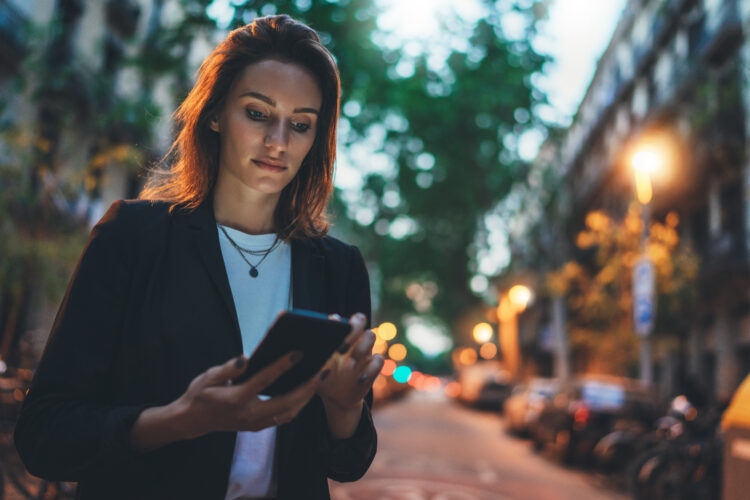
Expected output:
(269, 188)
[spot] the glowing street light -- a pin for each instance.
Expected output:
(482, 332)
(512, 303)
(646, 161)
(520, 296)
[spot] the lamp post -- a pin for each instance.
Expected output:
(644, 162)
(511, 305)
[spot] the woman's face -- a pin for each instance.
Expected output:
(267, 126)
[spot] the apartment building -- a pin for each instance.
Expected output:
(679, 70)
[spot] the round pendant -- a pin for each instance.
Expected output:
(253, 273)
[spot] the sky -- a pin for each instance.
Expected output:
(576, 34)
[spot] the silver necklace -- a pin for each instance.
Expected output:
(242, 251)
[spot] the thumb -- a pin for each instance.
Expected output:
(222, 374)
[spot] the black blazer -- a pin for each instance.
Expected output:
(148, 309)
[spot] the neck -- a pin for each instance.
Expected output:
(244, 209)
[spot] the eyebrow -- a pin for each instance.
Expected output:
(271, 102)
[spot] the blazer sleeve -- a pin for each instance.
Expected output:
(69, 421)
(348, 459)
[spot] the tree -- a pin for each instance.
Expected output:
(598, 286)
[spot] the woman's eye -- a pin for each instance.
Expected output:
(300, 127)
(254, 115)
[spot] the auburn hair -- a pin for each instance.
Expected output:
(193, 159)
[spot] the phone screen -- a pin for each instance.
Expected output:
(313, 333)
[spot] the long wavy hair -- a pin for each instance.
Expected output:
(187, 175)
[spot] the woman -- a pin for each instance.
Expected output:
(134, 397)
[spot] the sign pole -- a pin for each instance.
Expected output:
(644, 301)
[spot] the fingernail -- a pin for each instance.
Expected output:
(360, 316)
(343, 348)
(239, 361)
(295, 356)
(324, 374)
(362, 378)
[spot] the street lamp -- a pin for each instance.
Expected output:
(519, 296)
(482, 332)
(645, 162)
(512, 303)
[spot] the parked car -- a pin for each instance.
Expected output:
(485, 385)
(586, 410)
(526, 401)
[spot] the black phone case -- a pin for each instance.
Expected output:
(313, 333)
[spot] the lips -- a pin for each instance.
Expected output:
(270, 165)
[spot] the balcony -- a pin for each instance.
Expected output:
(716, 34)
(724, 261)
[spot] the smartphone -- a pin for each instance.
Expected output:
(313, 333)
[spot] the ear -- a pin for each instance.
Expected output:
(214, 123)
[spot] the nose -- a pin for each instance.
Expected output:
(277, 136)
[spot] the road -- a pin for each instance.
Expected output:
(433, 449)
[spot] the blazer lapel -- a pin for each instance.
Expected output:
(308, 276)
(206, 239)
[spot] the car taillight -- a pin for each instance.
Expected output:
(581, 415)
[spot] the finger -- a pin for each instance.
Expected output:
(222, 374)
(363, 348)
(270, 373)
(371, 371)
(358, 322)
(285, 407)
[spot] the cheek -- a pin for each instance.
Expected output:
(305, 147)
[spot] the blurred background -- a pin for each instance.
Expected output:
(552, 197)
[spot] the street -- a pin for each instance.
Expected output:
(430, 448)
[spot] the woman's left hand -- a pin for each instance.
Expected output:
(352, 370)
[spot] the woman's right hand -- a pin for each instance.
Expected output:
(212, 403)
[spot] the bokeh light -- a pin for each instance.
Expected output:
(482, 332)
(452, 389)
(397, 352)
(488, 350)
(380, 346)
(416, 380)
(389, 366)
(386, 331)
(468, 356)
(520, 296)
(432, 384)
(647, 160)
(402, 374)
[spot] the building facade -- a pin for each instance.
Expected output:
(679, 70)
(72, 128)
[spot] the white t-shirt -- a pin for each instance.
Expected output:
(257, 301)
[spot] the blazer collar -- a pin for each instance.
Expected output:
(308, 263)
(205, 238)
